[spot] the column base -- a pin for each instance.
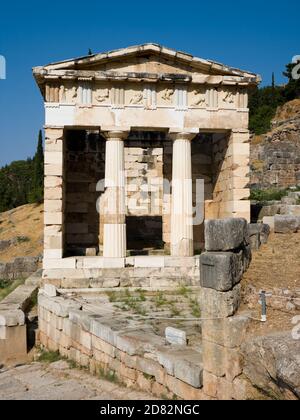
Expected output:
(185, 248)
(114, 240)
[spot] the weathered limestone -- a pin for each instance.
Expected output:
(286, 224)
(221, 270)
(225, 235)
(182, 212)
(222, 331)
(54, 194)
(136, 356)
(115, 207)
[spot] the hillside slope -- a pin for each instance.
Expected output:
(275, 156)
(21, 232)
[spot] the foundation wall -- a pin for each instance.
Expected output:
(103, 350)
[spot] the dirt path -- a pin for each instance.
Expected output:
(56, 381)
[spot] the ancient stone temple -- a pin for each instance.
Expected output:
(128, 133)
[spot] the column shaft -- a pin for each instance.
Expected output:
(182, 205)
(114, 245)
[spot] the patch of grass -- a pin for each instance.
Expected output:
(183, 291)
(195, 308)
(271, 194)
(109, 375)
(23, 239)
(49, 356)
(160, 299)
(148, 377)
(174, 311)
(112, 296)
(7, 287)
(4, 283)
(72, 364)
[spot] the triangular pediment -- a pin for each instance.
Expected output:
(147, 59)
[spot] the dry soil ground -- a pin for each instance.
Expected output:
(57, 381)
(26, 221)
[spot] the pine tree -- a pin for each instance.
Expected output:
(37, 193)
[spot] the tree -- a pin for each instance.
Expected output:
(37, 192)
(292, 89)
(90, 52)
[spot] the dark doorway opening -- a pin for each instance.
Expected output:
(144, 235)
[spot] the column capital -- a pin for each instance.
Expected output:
(115, 134)
(183, 135)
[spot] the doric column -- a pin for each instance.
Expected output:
(182, 204)
(114, 238)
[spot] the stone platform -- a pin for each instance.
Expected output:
(92, 330)
(139, 271)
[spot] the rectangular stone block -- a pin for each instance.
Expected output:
(149, 261)
(63, 263)
(175, 336)
(226, 234)
(53, 193)
(53, 206)
(220, 304)
(221, 270)
(53, 254)
(53, 158)
(286, 224)
(54, 170)
(53, 218)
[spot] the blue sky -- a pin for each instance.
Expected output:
(261, 36)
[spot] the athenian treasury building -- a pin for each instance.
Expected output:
(142, 145)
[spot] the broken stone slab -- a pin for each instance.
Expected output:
(289, 200)
(21, 297)
(50, 290)
(81, 318)
(58, 305)
(269, 221)
(138, 341)
(265, 231)
(217, 304)
(221, 270)
(225, 234)
(183, 363)
(175, 336)
(107, 329)
(11, 318)
(286, 224)
(258, 234)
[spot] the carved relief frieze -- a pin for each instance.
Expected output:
(102, 95)
(168, 95)
(228, 97)
(198, 97)
(137, 99)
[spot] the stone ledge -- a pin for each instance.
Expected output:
(137, 355)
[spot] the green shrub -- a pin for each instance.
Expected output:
(273, 194)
